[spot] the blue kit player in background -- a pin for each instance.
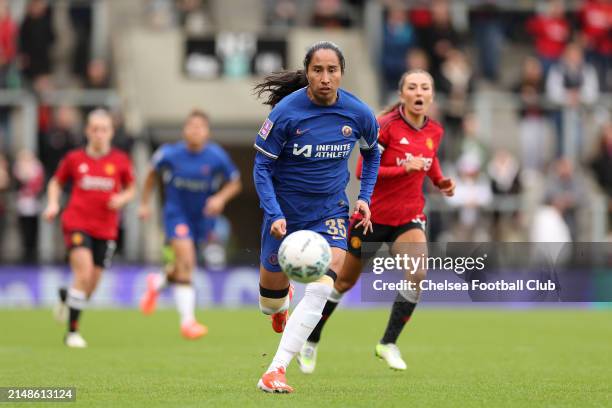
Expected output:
(199, 178)
(301, 174)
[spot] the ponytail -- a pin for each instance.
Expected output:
(280, 84)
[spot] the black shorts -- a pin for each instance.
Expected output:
(382, 233)
(101, 249)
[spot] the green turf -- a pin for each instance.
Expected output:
(456, 358)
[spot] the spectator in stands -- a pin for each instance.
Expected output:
(193, 17)
(504, 171)
(534, 124)
(571, 85)
(398, 38)
(596, 36)
(416, 58)
(62, 136)
(440, 37)
(5, 183)
(564, 192)
(282, 13)
(472, 196)
(36, 37)
(8, 43)
(602, 163)
(602, 166)
(488, 35)
(97, 75)
(30, 178)
(550, 31)
(456, 83)
(161, 14)
(330, 14)
(81, 19)
(471, 141)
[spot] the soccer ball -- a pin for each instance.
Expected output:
(304, 256)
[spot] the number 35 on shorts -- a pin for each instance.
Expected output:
(336, 227)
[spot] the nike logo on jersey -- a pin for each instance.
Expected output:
(300, 132)
(404, 141)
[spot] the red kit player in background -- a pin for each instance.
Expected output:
(102, 183)
(409, 142)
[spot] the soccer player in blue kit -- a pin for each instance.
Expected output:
(301, 173)
(199, 179)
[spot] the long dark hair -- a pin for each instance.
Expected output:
(280, 84)
(400, 85)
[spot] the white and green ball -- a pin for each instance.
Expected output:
(304, 256)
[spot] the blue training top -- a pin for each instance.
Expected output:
(303, 151)
(191, 177)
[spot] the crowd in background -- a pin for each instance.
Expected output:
(559, 84)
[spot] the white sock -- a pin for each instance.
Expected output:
(77, 299)
(184, 295)
(335, 296)
(300, 324)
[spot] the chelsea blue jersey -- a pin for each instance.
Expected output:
(311, 144)
(189, 177)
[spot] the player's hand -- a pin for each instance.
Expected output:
(279, 228)
(214, 206)
(415, 164)
(363, 208)
(51, 211)
(144, 211)
(117, 201)
(447, 187)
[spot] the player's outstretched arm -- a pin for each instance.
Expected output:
(144, 210)
(217, 202)
(54, 192)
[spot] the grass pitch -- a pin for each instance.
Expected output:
(456, 358)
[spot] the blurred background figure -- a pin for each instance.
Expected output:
(456, 83)
(550, 31)
(565, 192)
(504, 170)
(193, 17)
(8, 44)
(5, 183)
(63, 135)
(330, 14)
(596, 35)
(601, 166)
(488, 35)
(282, 14)
(534, 125)
(398, 38)
(472, 197)
(571, 86)
(30, 178)
(440, 37)
(36, 38)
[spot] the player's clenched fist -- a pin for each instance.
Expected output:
(279, 228)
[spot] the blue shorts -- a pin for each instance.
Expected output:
(333, 229)
(182, 227)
